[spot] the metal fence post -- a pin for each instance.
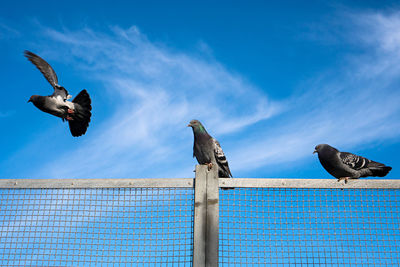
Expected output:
(206, 217)
(199, 227)
(212, 217)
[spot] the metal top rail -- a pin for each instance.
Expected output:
(96, 183)
(189, 182)
(310, 183)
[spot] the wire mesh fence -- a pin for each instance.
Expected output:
(299, 227)
(158, 222)
(96, 227)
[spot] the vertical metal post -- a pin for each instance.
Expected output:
(200, 215)
(212, 217)
(206, 217)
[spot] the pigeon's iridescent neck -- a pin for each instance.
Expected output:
(202, 129)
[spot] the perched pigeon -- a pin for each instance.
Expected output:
(344, 165)
(207, 150)
(77, 112)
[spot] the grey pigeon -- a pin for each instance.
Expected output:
(77, 112)
(344, 165)
(207, 150)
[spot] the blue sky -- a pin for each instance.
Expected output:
(268, 80)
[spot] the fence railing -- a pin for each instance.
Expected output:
(197, 222)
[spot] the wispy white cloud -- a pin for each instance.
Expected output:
(154, 93)
(379, 30)
(352, 106)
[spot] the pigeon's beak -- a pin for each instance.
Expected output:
(315, 151)
(29, 101)
(189, 125)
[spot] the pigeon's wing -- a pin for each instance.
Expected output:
(221, 159)
(353, 161)
(48, 73)
(44, 67)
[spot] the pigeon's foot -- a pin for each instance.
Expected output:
(343, 178)
(69, 118)
(209, 166)
(70, 111)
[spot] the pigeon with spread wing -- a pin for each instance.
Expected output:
(77, 112)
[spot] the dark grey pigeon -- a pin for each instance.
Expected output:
(77, 112)
(207, 150)
(344, 165)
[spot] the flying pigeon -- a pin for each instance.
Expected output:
(207, 150)
(344, 165)
(77, 112)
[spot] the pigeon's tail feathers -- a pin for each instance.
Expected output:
(380, 170)
(83, 99)
(77, 128)
(82, 114)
